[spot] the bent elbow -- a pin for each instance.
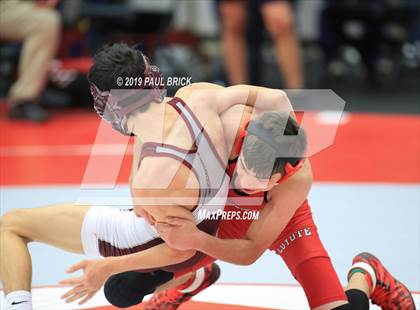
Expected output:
(251, 258)
(246, 261)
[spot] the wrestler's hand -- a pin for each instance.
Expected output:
(140, 212)
(178, 233)
(94, 276)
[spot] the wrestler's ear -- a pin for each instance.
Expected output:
(275, 178)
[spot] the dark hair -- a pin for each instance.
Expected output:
(115, 60)
(288, 136)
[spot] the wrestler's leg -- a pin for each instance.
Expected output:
(176, 282)
(322, 286)
(57, 225)
(320, 283)
(358, 292)
(358, 281)
(300, 247)
(129, 288)
(369, 279)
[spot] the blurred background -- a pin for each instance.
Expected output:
(366, 194)
(360, 49)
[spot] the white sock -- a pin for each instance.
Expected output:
(19, 300)
(199, 278)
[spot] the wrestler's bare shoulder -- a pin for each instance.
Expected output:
(215, 96)
(200, 85)
(304, 174)
(300, 181)
(216, 87)
(198, 93)
(206, 88)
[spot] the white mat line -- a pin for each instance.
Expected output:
(65, 150)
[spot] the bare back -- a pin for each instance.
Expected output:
(176, 184)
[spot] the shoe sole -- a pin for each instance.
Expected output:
(216, 274)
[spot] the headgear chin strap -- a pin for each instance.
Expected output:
(116, 107)
(291, 164)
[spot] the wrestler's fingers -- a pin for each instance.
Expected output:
(74, 290)
(161, 232)
(177, 221)
(72, 281)
(162, 226)
(76, 267)
(77, 296)
(87, 298)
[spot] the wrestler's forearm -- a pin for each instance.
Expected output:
(268, 99)
(271, 100)
(234, 251)
(155, 257)
(265, 99)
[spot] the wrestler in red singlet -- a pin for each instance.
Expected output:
(299, 244)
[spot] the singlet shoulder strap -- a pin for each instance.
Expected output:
(153, 149)
(194, 126)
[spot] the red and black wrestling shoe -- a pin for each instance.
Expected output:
(171, 299)
(388, 292)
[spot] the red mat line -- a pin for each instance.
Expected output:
(192, 305)
(367, 148)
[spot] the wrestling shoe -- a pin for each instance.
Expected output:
(171, 299)
(388, 292)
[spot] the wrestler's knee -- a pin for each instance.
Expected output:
(10, 220)
(123, 290)
(129, 288)
(14, 221)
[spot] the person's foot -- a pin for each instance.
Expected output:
(171, 299)
(388, 292)
(28, 110)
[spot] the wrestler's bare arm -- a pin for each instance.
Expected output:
(273, 218)
(159, 203)
(254, 96)
(96, 271)
(157, 199)
(157, 256)
(154, 257)
(223, 98)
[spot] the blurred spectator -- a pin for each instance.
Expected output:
(279, 20)
(37, 25)
(371, 33)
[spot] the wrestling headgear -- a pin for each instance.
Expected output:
(291, 164)
(116, 107)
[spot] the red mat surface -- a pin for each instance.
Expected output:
(367, 148)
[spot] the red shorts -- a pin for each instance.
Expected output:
(300, 247)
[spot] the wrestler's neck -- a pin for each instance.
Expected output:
(149, 125)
